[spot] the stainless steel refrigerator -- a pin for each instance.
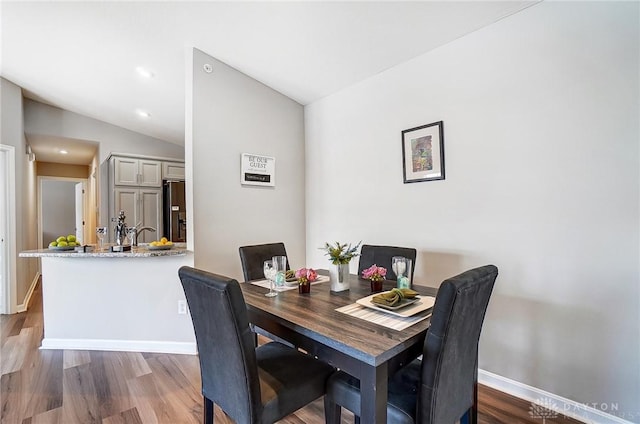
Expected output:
(175, 214)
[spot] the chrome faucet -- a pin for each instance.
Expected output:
(136, 233)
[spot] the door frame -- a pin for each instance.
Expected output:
(8, 228)
(81, 233)
(43, 178)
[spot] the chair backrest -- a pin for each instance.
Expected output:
(382, 255)
(226, 345)
(253, 257)
(450, 353)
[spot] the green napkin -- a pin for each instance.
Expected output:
(394, 297)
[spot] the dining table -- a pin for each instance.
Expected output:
(366, 350)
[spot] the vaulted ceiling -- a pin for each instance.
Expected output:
(83, 56)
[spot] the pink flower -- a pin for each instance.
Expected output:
(374, 273)
(305, 275)
(312, 275)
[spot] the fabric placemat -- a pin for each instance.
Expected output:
(382, 318)
(265, 284)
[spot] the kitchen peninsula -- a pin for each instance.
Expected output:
(102, 300)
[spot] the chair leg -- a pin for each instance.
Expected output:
(470, 416)
(465, 417)
(332, 411)
(208, 411)
(472, 413)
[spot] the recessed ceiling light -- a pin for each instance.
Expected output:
(63, 152)
(143, 113)
(144, 72)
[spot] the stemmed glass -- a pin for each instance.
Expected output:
(101, 232)
(270, 274)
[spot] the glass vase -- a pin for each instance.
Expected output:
(376, 286)
(304, 288)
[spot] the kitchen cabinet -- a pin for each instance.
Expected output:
(142, 207)
(137, 172)
(135, 186)
(173, 171)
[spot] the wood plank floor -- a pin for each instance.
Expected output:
(85, 387)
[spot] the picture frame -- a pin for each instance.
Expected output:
(257, 170)
(423, 153)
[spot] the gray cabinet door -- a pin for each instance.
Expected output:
(125, 199)
(150, 214)
(137, 172)
(125, 171)
(150, 173)
(142, 208)
(172, 171)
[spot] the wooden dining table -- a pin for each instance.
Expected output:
(367, 351)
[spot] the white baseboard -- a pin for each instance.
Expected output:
(25, 303)
(120, 345)
(550, 401)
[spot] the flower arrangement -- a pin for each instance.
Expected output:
(374, 273)
(341, 253)
(306, 275)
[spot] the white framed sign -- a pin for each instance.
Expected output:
(257, 170)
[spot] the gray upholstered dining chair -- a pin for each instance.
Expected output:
(250, 384)
(382, 256)
(253, 257)
(440, 389)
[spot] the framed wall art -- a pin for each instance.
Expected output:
(257, 170)
(423, 153)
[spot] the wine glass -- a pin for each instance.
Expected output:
(269, 274)
(101, 232)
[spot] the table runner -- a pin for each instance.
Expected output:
(265, 283)
(381, 318)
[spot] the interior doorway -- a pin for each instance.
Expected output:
(61, 208)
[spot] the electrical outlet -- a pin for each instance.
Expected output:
(182, 307)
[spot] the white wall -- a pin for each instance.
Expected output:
(12, 133)
(541, 133)
(233, 114)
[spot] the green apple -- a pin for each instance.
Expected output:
(71, 237)
(62, 244)
(72, 243)
(61, 238)
(53, 244)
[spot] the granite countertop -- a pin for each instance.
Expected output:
(141, 251)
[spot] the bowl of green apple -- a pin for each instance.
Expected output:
(64, 243)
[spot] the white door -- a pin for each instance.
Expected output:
(80, 213)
